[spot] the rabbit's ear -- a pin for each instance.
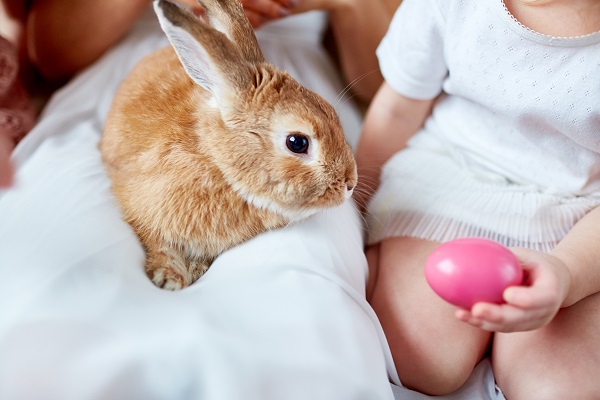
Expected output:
(228, 16)
(208, 56)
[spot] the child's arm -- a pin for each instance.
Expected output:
(561, 278)
(390, 121)
(580, 251)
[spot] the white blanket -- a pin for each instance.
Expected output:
(282, 316)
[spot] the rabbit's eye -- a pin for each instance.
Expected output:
(297, 143)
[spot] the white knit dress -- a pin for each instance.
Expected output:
(511, 151)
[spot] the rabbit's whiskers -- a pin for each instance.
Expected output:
(351, 84)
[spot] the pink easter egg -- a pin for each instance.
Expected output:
(466, 271)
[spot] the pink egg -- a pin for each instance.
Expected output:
(466, 271)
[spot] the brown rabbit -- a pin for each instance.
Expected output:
(207, 145)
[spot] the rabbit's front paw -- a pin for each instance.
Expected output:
(167, 268)
(169, 279)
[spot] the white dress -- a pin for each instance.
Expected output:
(511, 150)
(282, 316)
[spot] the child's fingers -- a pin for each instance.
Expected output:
(529, 297)
(488, 312)
(501, 318)
(481, 318)
(508, 319)
(480, 314)
(546, 282)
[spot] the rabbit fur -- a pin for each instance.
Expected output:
(207, 145)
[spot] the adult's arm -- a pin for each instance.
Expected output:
(64, 36)
(67, 35)
(16, 9)
(358, 26)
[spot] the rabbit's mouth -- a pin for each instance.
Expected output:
(298, 211)
(291, 214)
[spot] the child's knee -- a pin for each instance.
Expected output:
(436, 379)
(436, 367)
(547, 388)
(372, 254)
(545, 381)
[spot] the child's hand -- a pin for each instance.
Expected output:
(6, 168)
(528, 307)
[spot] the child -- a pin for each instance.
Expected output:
(489, 125)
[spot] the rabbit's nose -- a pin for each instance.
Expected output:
(350, 187)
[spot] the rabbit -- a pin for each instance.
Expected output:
(207, 145)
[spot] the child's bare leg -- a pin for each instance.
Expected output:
(559, 361)
(434, 353)
(372, 254)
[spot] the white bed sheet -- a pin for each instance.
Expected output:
(282, 316)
